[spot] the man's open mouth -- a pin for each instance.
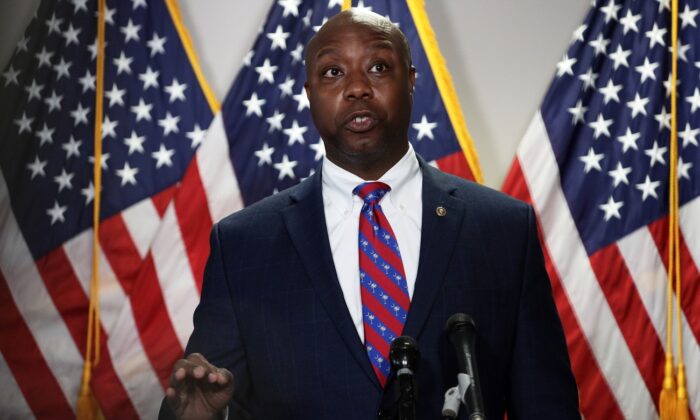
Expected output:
(360, 122)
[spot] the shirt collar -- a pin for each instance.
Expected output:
(339, 183)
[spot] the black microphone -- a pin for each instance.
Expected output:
(404, 356)
(461, 331)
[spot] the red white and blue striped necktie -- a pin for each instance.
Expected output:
(383, 286)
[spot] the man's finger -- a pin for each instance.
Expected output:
(225, 376)
(194, 366)
(220, 376)
(180, 373)
(199, 372)
(222, 379)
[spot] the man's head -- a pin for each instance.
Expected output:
(360, 87)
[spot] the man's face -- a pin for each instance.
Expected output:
(360, 91)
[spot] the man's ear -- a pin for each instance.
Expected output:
(306, 88)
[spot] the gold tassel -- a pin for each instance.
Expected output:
(667, 400)
(682, 395)
(87, 405)
(673, 402)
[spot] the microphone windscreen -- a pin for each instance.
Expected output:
(404, 350)
(459, 321)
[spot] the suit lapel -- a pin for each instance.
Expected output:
(438, 237)
(306, 224)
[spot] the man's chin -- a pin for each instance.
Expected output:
(364, 149)
(364, 159)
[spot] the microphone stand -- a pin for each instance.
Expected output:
(404, 354)
(407, 401)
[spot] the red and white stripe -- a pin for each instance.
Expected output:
(34, 326)
(124, 346)
(11, 399)
(216, 173)
(151, 260)
(613, 303)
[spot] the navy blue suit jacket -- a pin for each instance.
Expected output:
(273, 313)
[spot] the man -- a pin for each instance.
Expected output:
(304, 291)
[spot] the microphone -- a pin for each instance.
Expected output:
(461, 331)
(403, 355)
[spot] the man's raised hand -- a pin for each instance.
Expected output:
(198, 390)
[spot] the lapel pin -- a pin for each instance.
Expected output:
(440, 211)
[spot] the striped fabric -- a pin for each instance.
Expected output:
(155, 113)
(384, 290)
(594, 162)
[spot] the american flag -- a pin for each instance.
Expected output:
(594, 162)
(155, 116)
(160, 198)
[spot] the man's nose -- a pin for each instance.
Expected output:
(358, 87)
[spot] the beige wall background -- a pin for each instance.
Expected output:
(501, 53)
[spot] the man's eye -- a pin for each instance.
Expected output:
(332, 72)
(378, 68)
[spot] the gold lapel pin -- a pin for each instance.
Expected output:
(440, 211)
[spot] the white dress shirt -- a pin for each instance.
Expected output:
(403, 207)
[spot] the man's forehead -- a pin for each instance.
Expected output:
(337, 45)
(357, 21)
(353, 22)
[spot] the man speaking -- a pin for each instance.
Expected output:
(304, 291)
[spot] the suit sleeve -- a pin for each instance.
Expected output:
(216, 333)
(542, 384)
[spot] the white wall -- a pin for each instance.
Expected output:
(501, 53)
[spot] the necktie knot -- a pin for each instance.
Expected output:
(371, 192)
